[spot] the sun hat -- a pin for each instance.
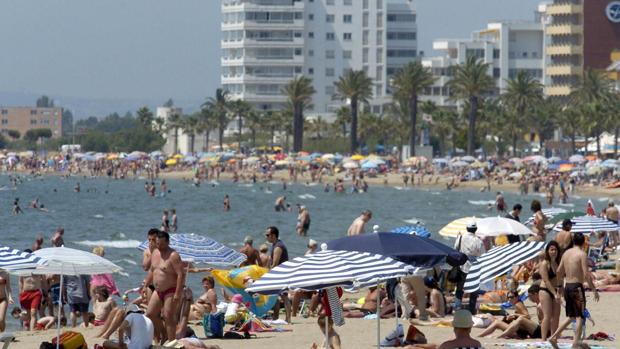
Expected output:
(462, 319)
(237, 299)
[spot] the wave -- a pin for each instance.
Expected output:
(413, 221)
(98, 216)
(125, 260)
(603, 199)
(306, 196)
(246, 185)
(111, 243)
(566, 205)
(481, 202)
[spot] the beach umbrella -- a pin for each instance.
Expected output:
(537, 159)
(495, 226)
(468, 158)
(576, 159)
(500, 261)
(328, 269)
(610, 163)
(89, 158)
(418, 230)
(357, 157)
(554, 159)
(549, 213)
(369, 165)
(68, 261)
(593, 170)
(566, 168)
(410, 249)
(515, 175)
(171, 162)
(459, 164)
(350, 165)
(440, 161)
(562, 216)
(11, 258)
(201, 249)
(456, 227)
(177, 156)
(587, 224)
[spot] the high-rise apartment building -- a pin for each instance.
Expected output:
(508, 47)
(266, 43)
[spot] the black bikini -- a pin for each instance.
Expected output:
(552, 276)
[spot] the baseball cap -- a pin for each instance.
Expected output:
(462, 319)
(472, 225)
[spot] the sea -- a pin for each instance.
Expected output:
(116, 214)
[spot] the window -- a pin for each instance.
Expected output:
(347, 36)
(33, 112)
(400, 17)
(496, 53)
(475, 52)
(347, 18)
(330, 36)
(347, 2)
(298, 52)
(365, 55)
(402, 53)
(329, 18)
(330, 54)
(379, 19)
(5, 121)
(4, 111)
(310, 71)
(311, 16)
(330, 2)
(379, 55)
(329, 71)
(330, 90)
(379, 37)
(365, 4)
(346, 54)
(33, 122)
(401, 35)
(311, 35)
(496, 72)
(365, 20)
(379, 73)
(365, 37)
(311, 53)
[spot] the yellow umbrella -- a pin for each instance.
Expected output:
(178, 156)
(456, 227)
(357, 157)
(112, 156)
(171, 162)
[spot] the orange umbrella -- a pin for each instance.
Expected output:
(566, 167)
(591, 157)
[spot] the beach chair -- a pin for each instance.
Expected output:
(6, 339)
(598, 253)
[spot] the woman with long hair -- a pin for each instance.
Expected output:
(539, 221)
(5, 297)
(549, 293)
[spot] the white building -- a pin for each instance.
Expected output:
(508, 46)
(184, 140)
(266, 43)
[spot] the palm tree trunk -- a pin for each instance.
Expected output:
(471, 130)
(413, 114)
(354, 144)
(207, 131)
(240, 124)
(298, 128)
(176, 140)
(541, 144)
(221, 137)
(192, 141)
(344, 130)
(514, 144)
(253, 138)
(573, 141)
(616, 134)
(598, 144)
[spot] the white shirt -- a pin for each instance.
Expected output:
(141, 331)
(471, 245)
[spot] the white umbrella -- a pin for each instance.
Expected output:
(68, 261)
(495, 226)
(459, 164)
(577, 159)
(468, 158)
(350, 165)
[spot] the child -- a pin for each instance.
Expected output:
(43, 323)
(235, 311)
(102, 305)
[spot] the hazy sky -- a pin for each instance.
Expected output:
(138, 49)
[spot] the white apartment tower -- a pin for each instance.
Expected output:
(266, 43)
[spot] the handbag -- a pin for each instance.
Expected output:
(455, 275)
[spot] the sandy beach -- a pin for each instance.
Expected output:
(362, 334)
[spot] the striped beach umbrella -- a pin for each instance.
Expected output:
(456, 227)
(11, 258)
(499, 261)
(587, 224)
(418, 230)
(201, 249)
(326, 269)
(548, 212)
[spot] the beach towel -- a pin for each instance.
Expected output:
(335, 306)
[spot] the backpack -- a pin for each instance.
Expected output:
(213, 325)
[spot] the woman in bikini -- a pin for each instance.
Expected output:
(5, 297)
(502, 324)
(549, 293)
(539, 221)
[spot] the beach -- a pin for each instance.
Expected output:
(362, 334)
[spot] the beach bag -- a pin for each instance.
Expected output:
(213, 325)
(415, 336)
(71, 340)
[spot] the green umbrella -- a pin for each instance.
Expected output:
(568, 215)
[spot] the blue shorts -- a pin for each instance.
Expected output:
(79, 307)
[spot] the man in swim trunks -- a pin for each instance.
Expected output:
(168, 277)
(357, 227)
(303, 221)
(57, 239)
(574, 266)
(280, 204)
(30, 297)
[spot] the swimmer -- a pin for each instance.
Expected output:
(226, 203)
(16, 209)
(77, 187)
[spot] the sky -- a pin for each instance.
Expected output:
(155, 49)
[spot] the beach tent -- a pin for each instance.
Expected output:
(369, 165)
(68, 261)
(201, 249)
(588, 224)
(610, 163)
(495, 226)
(500, 261)
(330, 269)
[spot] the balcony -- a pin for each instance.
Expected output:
(563, 69)
(564, 9)
(558, 90)
(564, 50)
(564, 29)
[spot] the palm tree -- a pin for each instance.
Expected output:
(470, 82)
(145, 117)
(407, 86)
(545, 120)
(343, 118)
(253, 121)
(356, 87)
(191, 126)
(205, 125)
(318, 125)
(239, 109)
(173, 123)
(522, 94)
(299, 92)
(220, 107)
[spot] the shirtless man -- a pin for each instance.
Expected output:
(357, 227)
(146, 256)
(30, 297)
(253, 257)
(574, 267)
(38, 243)
(565, 238)
(280, 204)
(168, 277)
(207, 302)
(613, 215)
(57, 238)
(303, 221)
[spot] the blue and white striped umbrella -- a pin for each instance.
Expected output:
(587, 224)
(548, 212)
(418, 230)
(327, 269)
(11, 258)
(201, 249)
(499, 261)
